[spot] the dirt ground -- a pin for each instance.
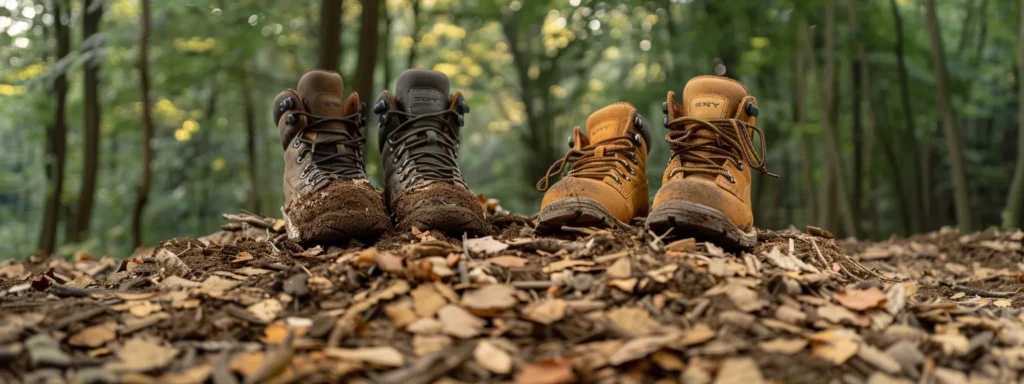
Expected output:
(245, 305)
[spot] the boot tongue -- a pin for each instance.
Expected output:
(421, 91)
(608, 122)
(322, 92)
(713, 97)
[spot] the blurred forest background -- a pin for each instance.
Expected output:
(882, 116)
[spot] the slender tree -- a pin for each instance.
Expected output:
(799, 112)
(948, 115)
(870, 123)
(1014, 198)
(90, 26)
(330, 34)
(921, 191)
(56, 140)
(146, 123)
(368, 43)
(416, 26)
(249, 110)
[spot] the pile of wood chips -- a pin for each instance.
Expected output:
(585, 305)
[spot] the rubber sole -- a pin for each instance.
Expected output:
(700, 222)
(576, 212)
(450, 219)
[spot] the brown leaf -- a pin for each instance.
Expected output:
(485, 245)
(242, 257)
(860, 299)
(566, 264)
(195, 374)
(834, 346)
(460, 323)
(216, 285)
(627, 285)
(382, 356)
(266, 310)
(423, 345)
(739, 370)
(389, 262)
(620, 269)
(492, 358)
(141, 354)
(547, 371)
(547, 311)
(508, 261)
(635, 321)
(639, 347)
(698, 334)
(783, 346)
(683, 245)
(426, 300)
(401, 312)
(94, 336)
(490, 298)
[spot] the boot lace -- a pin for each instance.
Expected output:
(333, 165)
(416, 141)
(585, 163)
(729, 141)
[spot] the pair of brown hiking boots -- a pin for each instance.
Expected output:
(327, 195)
(705, 190)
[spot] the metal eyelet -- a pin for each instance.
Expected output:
(305, 171)
(630, 170)
(572, 143)
(296, 143)
(302, 156)
(730, 177)
(751, 109)
(739, 165)
(380, 107)
(616, 178)
(291, 119)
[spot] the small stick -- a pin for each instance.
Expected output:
(534, 284)
(978, 292)
(463, 270)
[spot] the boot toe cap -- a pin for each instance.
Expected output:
(606, 195)
(709, 195)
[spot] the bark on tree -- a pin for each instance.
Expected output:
(255, 201)
(330, 34)
(1011, 214)
(146, 123)
(385, 45)
(871, 119)
(56, 140)
(368, 43)
(948, 115)
(90, 25)
(416, 26)
(799, 108)
(921, 189)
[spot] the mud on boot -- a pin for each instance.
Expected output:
(327, 195)
(419, 138)
(606, 184)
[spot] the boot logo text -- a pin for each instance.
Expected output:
(706, 104)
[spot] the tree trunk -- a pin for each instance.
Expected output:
(145, 180)
(330, 34)
(368, 43)
(255, 202)
(871, 120)
(56, 139)
(805, 145)
(921, 189)
(411, 63)
(385, 45)
(1011, 214)
(90, 25)
(948, 115)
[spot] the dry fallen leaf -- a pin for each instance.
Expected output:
(508, 261)
(860, 299)
(565, 264)
(384, 356)
(836, 346)
(492, 358)
(485, 245)
(459, 323)
(547, 371)
(142, 354)
(620, 269)
(639, 347)
(242, 257)
(635, 321)
(783, 346)
(547, 311)
(490, 298)
(739, 370)
(427, 300)
(423, 345)
(682, 245)
(266, 310)
(94, 336)
(1002, 303)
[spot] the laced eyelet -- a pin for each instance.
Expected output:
(305, 171)
(739, 165)
(296, 143)
(730, 177)
(302, 156)
(630, 170)
(616, 178)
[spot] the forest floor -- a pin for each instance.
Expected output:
(583, 305)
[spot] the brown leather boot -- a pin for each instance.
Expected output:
(327, 196)
(705, 192)
(606, 185)
(419, 141)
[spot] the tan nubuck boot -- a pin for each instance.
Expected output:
(606, 182)
(327, 196)
(705, 191)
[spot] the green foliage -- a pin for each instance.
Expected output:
(573, 56)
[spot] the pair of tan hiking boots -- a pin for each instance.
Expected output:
(705, 190)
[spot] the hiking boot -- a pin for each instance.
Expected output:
(705, 191)
(419, 142)
(606, 184)
(326, 193)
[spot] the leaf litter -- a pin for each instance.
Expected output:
(587, 304)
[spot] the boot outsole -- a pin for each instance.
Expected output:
(339, 227)
(454, 220)
(576, 212)
(700, 222)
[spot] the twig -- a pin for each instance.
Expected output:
(79, 316)
(821, 257)
(534, 284)
(463, 270)
(978, 292)
(251, 220)
(61, 290)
